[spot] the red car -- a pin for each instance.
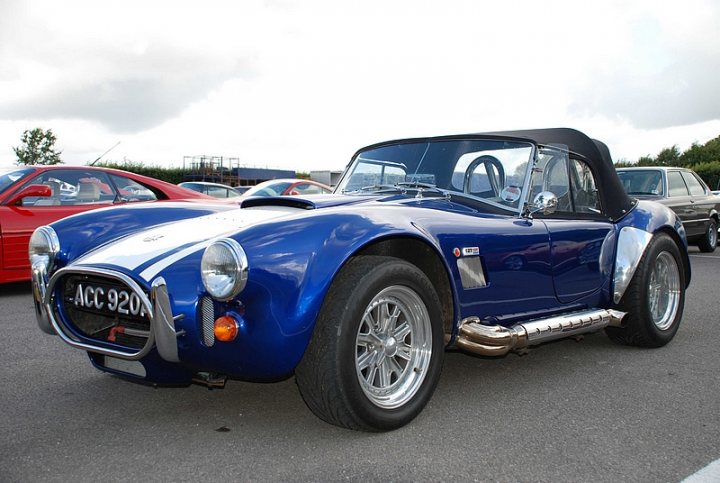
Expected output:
(32, 196)
(285, 187)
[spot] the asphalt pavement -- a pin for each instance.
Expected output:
(568, 411)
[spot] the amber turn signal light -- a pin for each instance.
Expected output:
(226, 328)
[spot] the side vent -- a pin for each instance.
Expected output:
(471, 272)
(207, 317)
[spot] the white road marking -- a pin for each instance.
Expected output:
(709, 474)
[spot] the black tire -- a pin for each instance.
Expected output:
(708, 242)
(642, 326)
(329, 375)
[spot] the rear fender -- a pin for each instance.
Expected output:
(635, 231)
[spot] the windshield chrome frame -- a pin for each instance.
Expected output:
(522, 204)
(532, 162)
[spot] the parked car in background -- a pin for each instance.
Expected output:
(685, 193)
(31, 196)
(284, 187)
(216, 190)
(486, 242)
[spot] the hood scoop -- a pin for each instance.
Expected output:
(287, 201)
(308, 203)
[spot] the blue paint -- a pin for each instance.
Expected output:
(532, 267)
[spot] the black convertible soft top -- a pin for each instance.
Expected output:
(615, 200)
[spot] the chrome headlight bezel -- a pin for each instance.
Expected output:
(43, 248)
(224, 269)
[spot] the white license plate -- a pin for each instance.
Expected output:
(105, 298)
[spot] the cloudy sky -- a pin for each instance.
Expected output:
(303, 84)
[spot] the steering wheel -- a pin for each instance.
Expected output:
(493, 166)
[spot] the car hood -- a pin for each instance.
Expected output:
(150, 251)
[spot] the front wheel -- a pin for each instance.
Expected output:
(655, 298)
(376, 352)
(708, 242)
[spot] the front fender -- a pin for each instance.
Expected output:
(292, 264)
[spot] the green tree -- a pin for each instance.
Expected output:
(709, 171)
(646, 161)
(623, 163)
(701, 153)
(704, 159)
(668, 157)
(38, 147)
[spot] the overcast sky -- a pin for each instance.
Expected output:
(304, 84)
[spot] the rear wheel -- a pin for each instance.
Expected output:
(377, 348)
(708, 242)
(655, 297)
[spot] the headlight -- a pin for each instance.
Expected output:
(224, 269)
(44, 246)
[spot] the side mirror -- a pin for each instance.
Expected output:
(545, 202)
(33, 190)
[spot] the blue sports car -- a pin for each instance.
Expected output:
(489, 243)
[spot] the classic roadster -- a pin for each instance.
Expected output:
(489, 243)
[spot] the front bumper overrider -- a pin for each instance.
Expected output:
(162, 334)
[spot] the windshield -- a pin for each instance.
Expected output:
(493, 171)
(8, 176)
(642, 182)
(268, 189)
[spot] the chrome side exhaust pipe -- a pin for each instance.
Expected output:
(496, 340)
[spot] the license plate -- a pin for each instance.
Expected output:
(107, 298)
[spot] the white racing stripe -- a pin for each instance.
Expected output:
(150, 272)
(195, 234)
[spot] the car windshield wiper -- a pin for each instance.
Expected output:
(401, 187)
(424, 187)
(377, 188)
(381, 188)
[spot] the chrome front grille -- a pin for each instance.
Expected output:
(207, 317)
(106, 312)
(104, 309)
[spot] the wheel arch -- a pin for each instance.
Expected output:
(646, 220)
(426, 257)
(683, 252)
(632, 246)
(295, 262)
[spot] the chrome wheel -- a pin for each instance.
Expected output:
(712, 234)
(664, 291)
(393, 347)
